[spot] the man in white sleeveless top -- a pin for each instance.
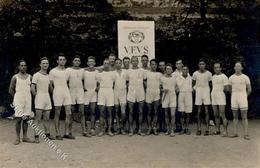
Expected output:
(40, 89)
(19, 89)
(61, 97)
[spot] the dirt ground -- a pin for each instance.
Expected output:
(181, 151)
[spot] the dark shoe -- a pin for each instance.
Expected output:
(27, 140)
(206, 133)
(187, 132)
(58, 137)
(86, 134)
(198, 133)
(69, 136)
(50, 137)
(37, 139)
(17, 141)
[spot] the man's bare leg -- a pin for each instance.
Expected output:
(224, 119)
(172, 113)
(57, 122)
(207, 120)
(235, 122)
(216, 110)
(25, 129)
(187, 123)
(199, 121)
(37, 120)
(101, 120)
(140, 117)
(110, 121)
(92, 117)
(117, 118)
(245, 124)
(155, 117)
(18, 130)
(123, 118)
(68, 123)
(131, 118)
(46, 124)
(167, 120)
(149, 118)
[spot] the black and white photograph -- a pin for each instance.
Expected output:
(129, 84)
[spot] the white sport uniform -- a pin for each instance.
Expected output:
(120, 87)
(76, 77)
(218, 96)
(135, 88)
(42, 99)
(153, 86)
(202, 87)
(90, 84)
(239, 92)
(61, 93)
(169, 99)
(176, 74)
(185, 95)
(22, 98)
(106, 93)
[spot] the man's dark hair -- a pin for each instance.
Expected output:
(145, 56)
(92, 57)
(126, 58)
(60, 55)
(169, 64)
(153, 60)
(43, 58)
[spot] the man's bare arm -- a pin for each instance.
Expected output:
(33, 89)
(248, 89)
(12, 86)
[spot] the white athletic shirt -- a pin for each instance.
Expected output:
(136, 77)
(176, 74)
(59, 78)
(90, 81)
(42, 82)
(23, 86)
(168, 83)
(202, 79)
(106, 79)
(239, 82)
(184, 84)
(219, 82)
(120, 82)
(153, 80)
(75, 77)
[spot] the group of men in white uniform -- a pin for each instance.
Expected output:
(121, 84)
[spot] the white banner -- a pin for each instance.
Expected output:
(136, 38)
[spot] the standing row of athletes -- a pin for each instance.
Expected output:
(121, 83)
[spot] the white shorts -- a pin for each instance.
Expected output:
(202, 96)
(135, 94)
(43, 101)
(61, 98)
(90, 96)
(152, 95)
(218, 98)
(239, 101)
(77, 96)
(169, 100)
(22, 105)
(106, 97)
(120, 96)
(185, 102)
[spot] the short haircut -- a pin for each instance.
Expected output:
(162, 62)
(153, 60)
(169, 64)
(239, 62)
(217, 63)
(202, 60)
(43, 58)
(20, 61)
(76, 56)
(134, 57)
(126, 58)
(112, 55)
(178, 60)
(92, 57)
(106, 59)
(145, 56)
(60, 55)
(118, 59)
(185, 66)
